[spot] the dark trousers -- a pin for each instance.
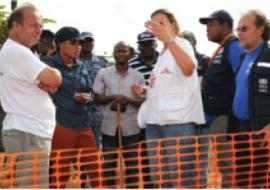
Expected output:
(251, 156)
(128, 153)
(2, 115)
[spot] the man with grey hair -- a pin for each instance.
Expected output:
(25, 83)
(251, 102)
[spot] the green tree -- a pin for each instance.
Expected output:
(3, 24)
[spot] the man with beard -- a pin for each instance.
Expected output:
(113, 90)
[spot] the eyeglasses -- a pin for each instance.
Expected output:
(242, 29)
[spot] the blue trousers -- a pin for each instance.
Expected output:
(173, 163)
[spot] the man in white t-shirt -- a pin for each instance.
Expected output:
(25, 83)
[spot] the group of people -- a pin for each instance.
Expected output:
(65, 97)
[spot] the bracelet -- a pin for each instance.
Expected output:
(171, 40)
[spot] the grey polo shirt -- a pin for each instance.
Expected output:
(109, 82)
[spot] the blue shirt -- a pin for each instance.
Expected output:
(94, 64)
(234, 53)
(241, 97)
(69, 112)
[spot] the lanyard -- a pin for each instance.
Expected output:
(226, 39)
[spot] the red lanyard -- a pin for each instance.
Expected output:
(215, 54)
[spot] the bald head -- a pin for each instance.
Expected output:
(121, 52)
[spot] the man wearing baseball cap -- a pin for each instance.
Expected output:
(145, 61)
(218, 82)
(93, 63)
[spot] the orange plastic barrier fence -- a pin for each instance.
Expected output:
(216, 161)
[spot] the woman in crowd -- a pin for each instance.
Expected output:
(173, 105)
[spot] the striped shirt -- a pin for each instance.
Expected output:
(138, 64)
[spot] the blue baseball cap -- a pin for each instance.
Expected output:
(146, 36)
(219, 15)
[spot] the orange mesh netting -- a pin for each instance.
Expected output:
(232, 161)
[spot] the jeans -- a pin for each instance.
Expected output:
(172, 160)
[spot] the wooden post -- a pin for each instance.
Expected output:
(120, 135)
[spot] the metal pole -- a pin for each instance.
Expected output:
(13, 4)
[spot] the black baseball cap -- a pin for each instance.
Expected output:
(47, 34)
(219, 15)
(67, 33)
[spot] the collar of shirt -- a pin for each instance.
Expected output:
(59, 61)
(122, 74)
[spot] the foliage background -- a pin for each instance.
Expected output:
(3, 24)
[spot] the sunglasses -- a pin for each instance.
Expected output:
(242, 29)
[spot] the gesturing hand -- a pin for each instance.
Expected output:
(160, 31)
(82, 97)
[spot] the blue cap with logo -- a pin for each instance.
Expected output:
(219, 15)
(145, 36)
(67, 33)
(85, 35)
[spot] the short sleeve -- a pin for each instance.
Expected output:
(26, 66)
(186, 46)
(141, 79)
(234, 55)
(99, 84)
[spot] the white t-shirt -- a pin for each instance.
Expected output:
(172, 97)
(28, 108)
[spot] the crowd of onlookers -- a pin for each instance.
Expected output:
(57, 94)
